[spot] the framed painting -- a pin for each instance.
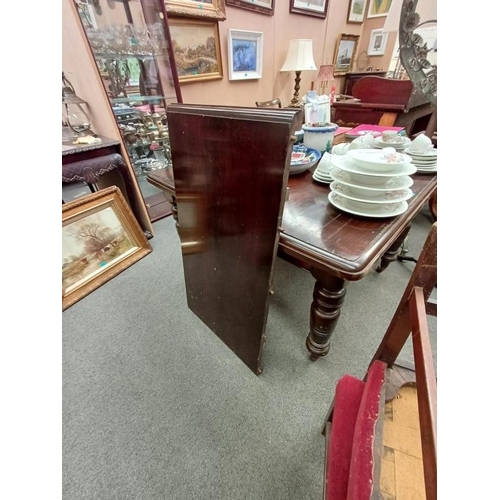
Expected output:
(345, 52)
(212, 9)
(316, 8)
(356, 12)
(196, 46)
(378, 8)
(378, 42)
(100, 239)
(261, 6)
(244, 49)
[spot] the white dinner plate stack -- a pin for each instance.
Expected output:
(371, 182)
(426, 163)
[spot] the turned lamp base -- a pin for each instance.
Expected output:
(295, 102)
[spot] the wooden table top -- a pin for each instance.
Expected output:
(347, 245)
(316, 235)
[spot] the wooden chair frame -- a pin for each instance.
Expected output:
(411, 318)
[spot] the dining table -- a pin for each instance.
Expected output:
(333, 245)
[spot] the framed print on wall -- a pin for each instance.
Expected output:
(244, 51)
(343, 59)
(379, 8)
(316, 8)
(356, 12)
(261, 6)
(213, 9)
(100, 239)
(378, 42)
(196, 46)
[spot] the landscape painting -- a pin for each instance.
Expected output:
(196, 48)
(100, 238)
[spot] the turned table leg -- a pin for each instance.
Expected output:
(392, 253)
(328, 297)
(175, 215)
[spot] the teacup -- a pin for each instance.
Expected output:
(325, 164)
(389, 136)
(420, 145)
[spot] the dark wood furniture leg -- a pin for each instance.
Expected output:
(433, 205)
(392, 254)
(328, 296)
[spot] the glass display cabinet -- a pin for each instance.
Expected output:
(131, 45)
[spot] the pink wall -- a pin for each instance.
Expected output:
(278, 30)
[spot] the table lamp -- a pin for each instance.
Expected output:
(299, 58)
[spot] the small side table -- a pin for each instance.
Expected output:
(89, 162)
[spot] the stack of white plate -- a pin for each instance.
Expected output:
(381, 190)
(426, 163)
(321, 177)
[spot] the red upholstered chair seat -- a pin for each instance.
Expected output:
(352, 466)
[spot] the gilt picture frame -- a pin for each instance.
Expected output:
(245, 51)
(211, 9)
(356, 12)
(196, 46)
(100, 238)
(260, 6)
(316, 8)
(345, 52)
(378, 8)
(378, 43)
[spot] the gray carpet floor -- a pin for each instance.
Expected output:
(156, 407)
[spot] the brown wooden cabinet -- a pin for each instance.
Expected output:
(131, 48)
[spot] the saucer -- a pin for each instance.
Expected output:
(372, 196)
(358, 181)
(432, 153)
(425, 161)
(325, 179)
(382, 210)
(348, 164)
(379, 143)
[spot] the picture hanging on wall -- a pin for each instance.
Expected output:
(356, 12)
(345, 52)
(378, 42)
(244, 54)
(213, 9)
(379, 8)
(261, 6)
(316, 8)
(196, 46)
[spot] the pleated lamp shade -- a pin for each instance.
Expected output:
(300, 56)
